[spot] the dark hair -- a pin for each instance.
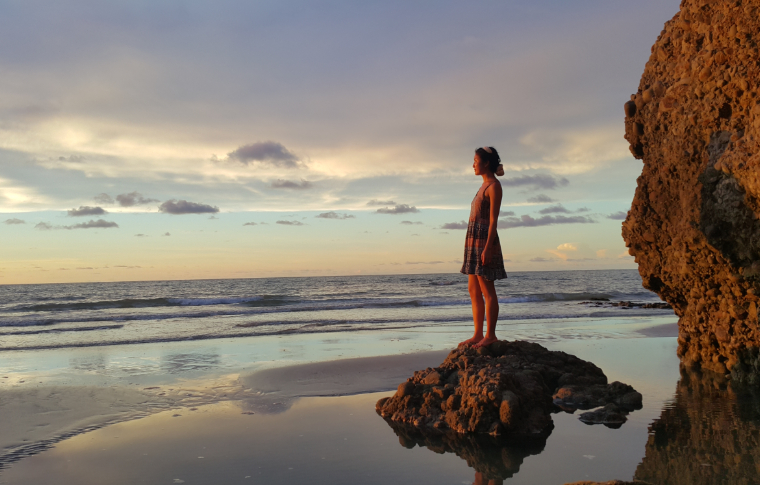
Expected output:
(492, 159)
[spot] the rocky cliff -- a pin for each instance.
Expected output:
(693, 226)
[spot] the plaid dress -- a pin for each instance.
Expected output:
(477, 235)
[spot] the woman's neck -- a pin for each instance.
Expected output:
(488, 177)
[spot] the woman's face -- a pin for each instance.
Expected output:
(480, 167)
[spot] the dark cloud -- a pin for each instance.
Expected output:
(555, 209)
(410, 223)
(539, 181)
(86, 210)
(455, 225)
(583, 209)
(541, 260)
(269, 152)
(528, 221)
(618, 216)
(334, 215)
(249, 224)
(166, 234)
(178, 207)
(92, 224)
(125, 266)
(541, 199)
(103, 198)
(287, 184)
(213, 218)
(290, 223)
(380, 202)
(14, 221)
(508, 213)
(399, 209)
(141, 235)
(424, 262)
(43, 226)
(132, 199)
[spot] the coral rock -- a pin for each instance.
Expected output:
(508, 389)
(693, 226)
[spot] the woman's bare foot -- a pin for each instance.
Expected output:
(485, 342)
(470, 341)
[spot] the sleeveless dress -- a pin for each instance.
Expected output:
(477, 235)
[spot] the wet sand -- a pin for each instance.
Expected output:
(47, 422)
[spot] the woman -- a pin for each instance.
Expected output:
(483, 262)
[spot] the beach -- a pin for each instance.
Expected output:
(296, 407)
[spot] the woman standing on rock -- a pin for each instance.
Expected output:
(483, 261)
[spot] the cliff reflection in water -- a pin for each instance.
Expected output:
(492, 459)
(709, 435)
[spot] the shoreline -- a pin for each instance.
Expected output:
(271, 394)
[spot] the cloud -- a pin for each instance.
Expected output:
(92, 224)
(567, 247)
(618, 216)
(601, 254)
(555, 209)
(103, 198)
(583, 209)
(141, 235)
(43, 226)
(86, 210)
(380, 202)
(455, 225)
(508, 213)
(290, 223)
(132, 199)
(14, 221)
(166, 234)
(424, 262)
(541, 199)
(249, 224)
(287, 184)
(528, 221)
(540, 260)
(334, 215)
(539, 181)
(410, 223)
(399, 209)
(269, 152)
(178, 207)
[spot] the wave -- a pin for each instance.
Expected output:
(151, 303)
(60, 330)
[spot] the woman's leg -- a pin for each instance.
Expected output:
(478, 309)
(488, 290)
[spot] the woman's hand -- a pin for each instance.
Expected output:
(485, 256)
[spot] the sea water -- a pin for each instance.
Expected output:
(96, 314)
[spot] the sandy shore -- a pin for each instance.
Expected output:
(270, 424)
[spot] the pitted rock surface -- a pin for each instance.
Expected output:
(508, 389)
(693, 225)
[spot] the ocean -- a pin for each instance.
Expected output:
(97, 314)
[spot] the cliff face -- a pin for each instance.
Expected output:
(693, 226)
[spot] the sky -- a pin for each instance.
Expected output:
(144, 140)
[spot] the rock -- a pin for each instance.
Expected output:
(610, 416)
(510, 390)
(588, 397)
(694, 223)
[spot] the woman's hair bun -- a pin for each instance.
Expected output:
(491, 156)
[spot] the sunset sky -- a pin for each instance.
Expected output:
(144, 140)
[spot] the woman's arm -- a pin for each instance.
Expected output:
(494, 196)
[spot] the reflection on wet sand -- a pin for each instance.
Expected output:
(710, 435)
(493, 459)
